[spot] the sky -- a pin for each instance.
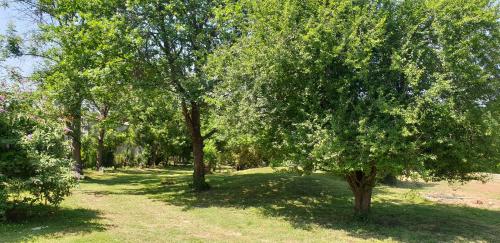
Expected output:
(12, 15)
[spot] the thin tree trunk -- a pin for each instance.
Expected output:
(76, 152)
(192, 118)
(361, 184)
(74, 125)
(100, 140)
(100, 148)
(153, 156)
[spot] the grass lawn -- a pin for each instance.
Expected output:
(251, 206)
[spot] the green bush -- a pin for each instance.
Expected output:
(52, 180)
(33, 167)
(3, 199)
(89, 152)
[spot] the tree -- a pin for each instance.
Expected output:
(86, 64)
(178, 36)
(366, 88)
(243, 139)
(61, 77)
(108, 74)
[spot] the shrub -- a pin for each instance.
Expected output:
(52, 180)
(33, 167)
(3, 199)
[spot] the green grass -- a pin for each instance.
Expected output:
(254, 205)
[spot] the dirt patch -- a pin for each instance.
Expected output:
(460, 199)
(473, 194)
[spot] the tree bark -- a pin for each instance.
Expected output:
(193, 122)
(100, 148)
(100, 138)
(153, 157)
(361, 184)
(74, 126)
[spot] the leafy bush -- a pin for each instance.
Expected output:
(240, 153)
(3, 199)
(89, 152)
(33, 167)
(52, 180)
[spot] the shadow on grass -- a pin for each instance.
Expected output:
(409, 184)
(142, 177)
(52, 222)
(324, 201)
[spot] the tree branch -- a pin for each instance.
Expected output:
(210, 134)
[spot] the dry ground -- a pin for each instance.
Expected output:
(473, 194)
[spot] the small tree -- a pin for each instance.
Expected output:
(109, 73)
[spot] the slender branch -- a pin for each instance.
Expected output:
(210, 134)
(40, 56)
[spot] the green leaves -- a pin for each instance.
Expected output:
(33, 167)
(401, 83)
(13, 42)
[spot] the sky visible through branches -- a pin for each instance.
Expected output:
(8, 16)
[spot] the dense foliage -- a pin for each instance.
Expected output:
(357, 88)
(368, 88)
(33, 167)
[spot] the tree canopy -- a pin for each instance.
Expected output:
(365, 88)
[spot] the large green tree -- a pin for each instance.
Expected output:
(83, 45)
(58, 40)
(158, 127)
(363, 88)
(105, 40)
(178, 36)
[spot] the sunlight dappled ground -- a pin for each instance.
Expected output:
(252, 205)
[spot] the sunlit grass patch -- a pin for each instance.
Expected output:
(138, 205)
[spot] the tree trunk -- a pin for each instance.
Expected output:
(76, 152)
(153, 157)
(74, 125)
(100, 148)
(362, 201)
(192, 119)
(100, 140)
(158, 160)
(361, 184)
